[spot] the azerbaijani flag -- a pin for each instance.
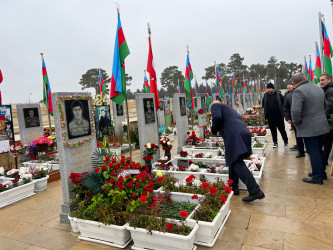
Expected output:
(46, 89)
(118, 82)
(102, 86)
(233, 82)
(328, 51)
(187, 84)
(178, 89)
(218, 82)
(244, 86)
(147, 88)
(311, 76)
(317, 70)
(306, 69)
(152, 76)
(208, 97)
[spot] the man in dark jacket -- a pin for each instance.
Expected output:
(272, 104)
(308, 115)
(237, 142)
(327, 86)
(287, 115)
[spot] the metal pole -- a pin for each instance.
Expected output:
(320, 16)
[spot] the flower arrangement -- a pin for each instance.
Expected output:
(47, 131)
(183, 153)
(161, 164)
(261, 132)
(200, 155)
(208, 155)
(150, 150)
(17, 149)
(39, 172)
(166, 144)
(193, 168)
(6, 185)
(255, 163)
(12, 173)
(208, 133)
(218, 170)
(192, 139)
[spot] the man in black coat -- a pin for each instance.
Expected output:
(237, 142)
(327, 85)
(272, 104)
(287, 115)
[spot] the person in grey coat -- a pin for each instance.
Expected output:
(308, 115)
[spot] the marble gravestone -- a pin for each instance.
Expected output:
(147, 122)
(201, 117)
(30, 122)
(216, 97)
(118, 118)
(246, 101)
(160, 114)
(234, 101)
(240, 104)
(73, 159)
(180, 117)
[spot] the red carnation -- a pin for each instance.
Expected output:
(227, 189)
(230, 182)
(183, 214)
(195, 197)
(107, 158)
(160, 179)
(105, 191)
(205, 185)
(137, 184)
(104, 168)
(134, 195)
(223, 199)
(143, 198)
(200, 111)
(212, 190)
(129, 184)
(169, 226)
(97, 170)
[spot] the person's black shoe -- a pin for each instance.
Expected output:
(299, 155)
(294, 148)
(251, 198)
(235, 190)
(309, 180)
(325, 176)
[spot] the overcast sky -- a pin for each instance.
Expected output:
(77, 35)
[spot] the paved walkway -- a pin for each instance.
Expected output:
(294, 215)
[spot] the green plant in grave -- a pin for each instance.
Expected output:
(258, 145)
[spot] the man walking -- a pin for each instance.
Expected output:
(272, 104)
(290, 89)
(287, 114)
(308, 115)
(327, 86)
(237, 142)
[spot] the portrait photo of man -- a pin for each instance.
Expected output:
(182, 106)
(31, 117)
(77, 114)
(148, 105)
(102, 120)
(203, 104)
(120, 110)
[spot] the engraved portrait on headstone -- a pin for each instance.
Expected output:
(148, 105)
(77, 115)
(31, 118)
(120, 110)
(102, 120)
(203, 104)
(182, 106)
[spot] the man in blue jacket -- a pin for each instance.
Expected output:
(237, 142)
(273, 110)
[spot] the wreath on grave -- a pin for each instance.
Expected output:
(64, 125)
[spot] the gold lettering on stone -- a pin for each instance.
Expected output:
(81, 158)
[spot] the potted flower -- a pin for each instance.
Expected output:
(166, 146)
(183, 153)
(40, 175)
(150, 150)
(258, 148)
(15, 189)
(192, 139)
(261, 135)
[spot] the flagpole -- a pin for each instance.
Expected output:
(48, 113)
(321, 41)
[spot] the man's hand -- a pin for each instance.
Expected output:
(289, 121)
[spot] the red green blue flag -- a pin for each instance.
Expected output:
(102, 86)
(147, 89)
(218, 82)
(317, 70)
(310, 74)
(152, 75)
(233, 82)
(244, 86)
(46, 89)
(328, 51)
(208, 97)
(178, 89)
(187, 84)
(196, 87)
(306, 70)
(121, 51)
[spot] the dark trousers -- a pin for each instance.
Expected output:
(299, 140)
(328, 145)
(275, 124)
(314, 148)
(238, 170)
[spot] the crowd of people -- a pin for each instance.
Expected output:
(307, 108)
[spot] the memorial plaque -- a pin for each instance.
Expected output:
(180, 117)
(102, 120)
(118, 118)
